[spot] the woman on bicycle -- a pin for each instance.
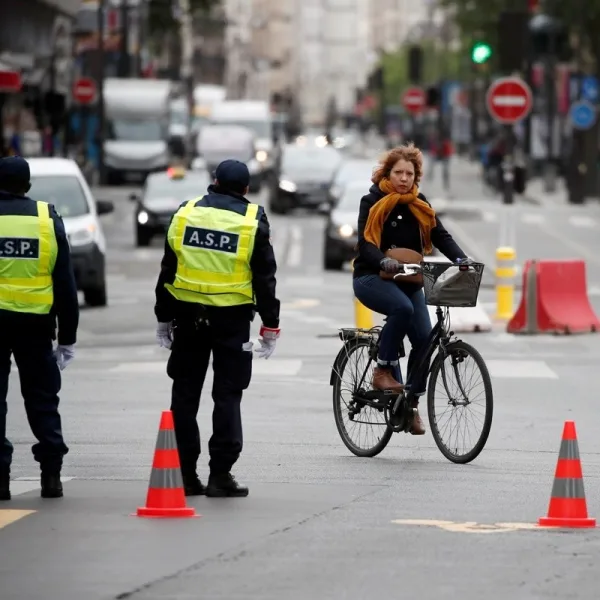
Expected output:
(394, 214)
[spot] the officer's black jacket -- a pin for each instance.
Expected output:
(66, 304)
(262, 263)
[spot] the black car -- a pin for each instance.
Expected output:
(161, 196)
(340, 229)
(306, 173)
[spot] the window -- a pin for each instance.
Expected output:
(130, 130)
(63, 191)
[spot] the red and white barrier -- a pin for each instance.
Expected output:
(554, 299)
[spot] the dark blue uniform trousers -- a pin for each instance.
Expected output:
(40, 383)
(193, 344)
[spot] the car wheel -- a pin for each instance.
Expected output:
(280, 206)
(143, 237)
(95, 296)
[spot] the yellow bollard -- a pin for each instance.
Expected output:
(363, 317)
(505, 282)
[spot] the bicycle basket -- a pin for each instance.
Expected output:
(446, 285)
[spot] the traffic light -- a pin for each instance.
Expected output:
(415, 64)
(432, 97)
(481, 52)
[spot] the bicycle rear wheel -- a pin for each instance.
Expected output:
(462, 379)
(363, 429)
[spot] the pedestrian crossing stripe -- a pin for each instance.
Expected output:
(11, 515)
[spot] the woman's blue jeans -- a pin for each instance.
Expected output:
(407, 315)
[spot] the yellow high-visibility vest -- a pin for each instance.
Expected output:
(213, 248)
(28, 251)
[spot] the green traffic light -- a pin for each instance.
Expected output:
(480, 53)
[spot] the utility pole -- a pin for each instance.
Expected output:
(101, 61)
(549, 70)
(124, 62)
(187, 62)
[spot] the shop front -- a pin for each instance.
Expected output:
(36, 49)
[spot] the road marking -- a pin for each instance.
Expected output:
(294, 257)
(520, 369)
(489, 217)
(582, 221)
(475, 250)
(301, 303)
(533, 219)
(10, 515)
(270, 367)
(469, 526)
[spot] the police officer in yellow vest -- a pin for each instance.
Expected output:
(37, 288)
(218, 269)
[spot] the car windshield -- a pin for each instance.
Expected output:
(131, 130)
(302, 160)
(189, 187)
(354, 170)
(219, 143)
(350, 199)
(64, 191)
(262, 129)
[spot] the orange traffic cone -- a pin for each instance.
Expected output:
(568, 507)
(166, 497)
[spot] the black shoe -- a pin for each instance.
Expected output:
(4, 484)
(192, 485)
(51, 485)
(225, 486)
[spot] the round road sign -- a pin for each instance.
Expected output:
(509, 100)
(413, 99)
(84, 90)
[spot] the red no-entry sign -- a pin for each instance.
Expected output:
(509, 100)
(84, 90)
(10, 82)
(413, 99)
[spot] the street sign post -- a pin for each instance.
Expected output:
(590, 90)
(10, 82)
(582, 114)
(84, 91)
(413, 100)
(509, 100)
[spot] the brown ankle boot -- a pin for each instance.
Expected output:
(384, 380)
(417, 427)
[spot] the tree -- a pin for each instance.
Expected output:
(477, 20)
(162, 14)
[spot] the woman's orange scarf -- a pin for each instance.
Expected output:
(380, 211)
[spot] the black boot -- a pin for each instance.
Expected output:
(225, 486)
(51, 485)
(192, 485)
(4, 484)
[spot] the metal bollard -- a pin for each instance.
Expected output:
(505, 282)
(363, 317)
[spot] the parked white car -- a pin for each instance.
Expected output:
(60, 182)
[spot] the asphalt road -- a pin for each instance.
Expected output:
(318, 522)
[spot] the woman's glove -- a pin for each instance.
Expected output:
(390, 265)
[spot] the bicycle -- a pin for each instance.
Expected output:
(396, 408)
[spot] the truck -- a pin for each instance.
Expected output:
(136, 136)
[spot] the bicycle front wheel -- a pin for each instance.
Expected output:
(460, 402)
(363, 428)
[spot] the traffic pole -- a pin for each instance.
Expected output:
(505, 282)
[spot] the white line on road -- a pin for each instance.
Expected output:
(533, 219)
(582, 221)
(294, 257)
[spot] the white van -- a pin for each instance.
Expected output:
(60, 182)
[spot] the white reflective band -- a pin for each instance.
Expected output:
(509, 101)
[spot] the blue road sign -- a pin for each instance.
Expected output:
(590, 90)
(582, 114)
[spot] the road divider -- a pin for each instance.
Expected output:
(554, 300)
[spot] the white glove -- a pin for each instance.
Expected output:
(267, 340)
(164, 335)
(64, 355)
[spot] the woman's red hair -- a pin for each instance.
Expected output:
(408, 152)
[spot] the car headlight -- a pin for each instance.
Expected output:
(261, 156)
(288, 186)
(336, 191)
(82, 237)
(143, 217)
(346, 230)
